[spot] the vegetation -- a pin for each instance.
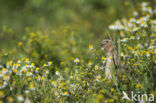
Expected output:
(50, 53)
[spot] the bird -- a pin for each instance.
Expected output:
(112, 57)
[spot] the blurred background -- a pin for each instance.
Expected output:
(31, 27)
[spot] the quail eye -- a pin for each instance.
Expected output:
(106, 41)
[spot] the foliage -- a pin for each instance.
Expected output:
(60, 60)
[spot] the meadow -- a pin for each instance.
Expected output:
(50, 52)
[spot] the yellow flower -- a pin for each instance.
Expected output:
(112, 89)
(50, 62)
(102, 91)
(153, 35)
(96, 67)
(4, 28)
(5, 77)
(100, 98)
(62, 63)
(42, 78)
(32, 35)
(44, 65)
(20, 44)
(110, 57)
(31, 86)
(103, 58)
(1, 94)
(54, 83)
(10, 99)
(131, 37)
(56, 94)
(3, 69)
(89, 63)
(90, 47)
(138, 85)
(37, 68)
(33, 64)
(65, 93)
(76, 61)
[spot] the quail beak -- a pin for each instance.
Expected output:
(101, 44)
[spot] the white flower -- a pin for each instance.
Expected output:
(4, 85)
(96, 67)
(147, 54)
(76, 61)
(144, 4)
(1, 66)
(98, 78)
(122, 54)
(135, 29)
(112, 27)
(138, 37)
(146, 44)
(90, 47)
(27, 91)
(20, 98)
(135, 13)
(132, 20)
(151, 47)
(57, 73)
(124, 40)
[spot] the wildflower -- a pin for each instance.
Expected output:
(27, 92)
(90, 47)
(89, 63)
(102, 91)
(56, 94)
(103, 58)
(1, 94)
(122, 34)
(20, 98)
(135, 29)
(153, 35)
(151, 47)
(112, 89)
(147, 54)
(132, 37)
(37, 69)
(135, 13)
(96, 67)
(124, 40)
(32, 35)
(6, 77)
(54, 83)
(10, 99)
(138, 37)
(100, 98)
(50, 62)
(45, 65)
(31, 86)
(138, 85)
(76, 61)
(42, 78)
(20, 44)
(98, 78)
(65, 93)
(57, 73)
(3, 85)
(144, 4)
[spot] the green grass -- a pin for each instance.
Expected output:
(37, 62)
